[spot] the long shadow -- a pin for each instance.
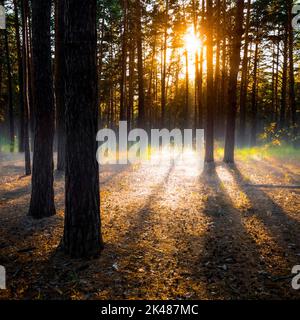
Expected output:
(60, 270)
(131, 241)
(272, 186)
(13, 194)
(295, 178)
(231, 265)
(121, 169)
(284, 228)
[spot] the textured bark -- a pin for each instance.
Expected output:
(60, 71)
(25, 86)
(30, 84)
(164, 67)
(20, 75)
(234, 69)
(253, 128)
(139, 43)
(292, 96)
(42, 195)
(277, 83)
(10, 94)
(224, 73)
(282, 118)
(82, 236)
(218, 105)
(131, 84)
(209, 137)
(244, 81)
(186, 106)
(123, 106)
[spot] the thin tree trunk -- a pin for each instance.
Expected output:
(20, 75)
(131, 85)
(60, 70)
(25, 86)
(253, 131)
(209, 137)
(292, 98)
(164, 65)
(186, 108)
(123, 113)
(234, 69)
(10, 95)
(244, 81)
(141, 103)
(282, 119)
(218, 104)
(277, 83)
(42, 194)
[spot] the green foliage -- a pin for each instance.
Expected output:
(277, 137)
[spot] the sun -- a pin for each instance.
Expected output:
(192, 42)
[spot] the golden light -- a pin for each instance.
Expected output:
(192, 42)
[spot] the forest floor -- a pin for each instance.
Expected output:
(170, 231)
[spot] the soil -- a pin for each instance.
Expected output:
(171, 231)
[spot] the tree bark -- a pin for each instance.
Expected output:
(253, 129)
(139, 42)
(82, 236)
(60, 71)
(10, 94)
(234, 69)
(20, 75)
(123, 107)
(209, 137)
(164, 66)
(292, 96)
(282, 117)
(42, 194)
(25, 86)
(244, 81)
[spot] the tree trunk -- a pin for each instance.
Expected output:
(131, 84)
(277, 83)
(186, 106)
(164, 65)
(82, 236)
(254, 98)
(209, 137)
(282, 118)
(20, 75)
(244, 81)
(25, 86)
(141, 103)
(10, 95)
(234, 69)
(60, 71)
(123, 113)
(42, 195)
(218, 104)
(292, 98)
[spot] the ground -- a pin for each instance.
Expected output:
(171, 231)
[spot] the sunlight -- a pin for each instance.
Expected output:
(192, 42)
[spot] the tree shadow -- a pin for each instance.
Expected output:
(59, 277)
(116, 171)
(280, 170)
(284, 228)
(231, 265)
(7, 196)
